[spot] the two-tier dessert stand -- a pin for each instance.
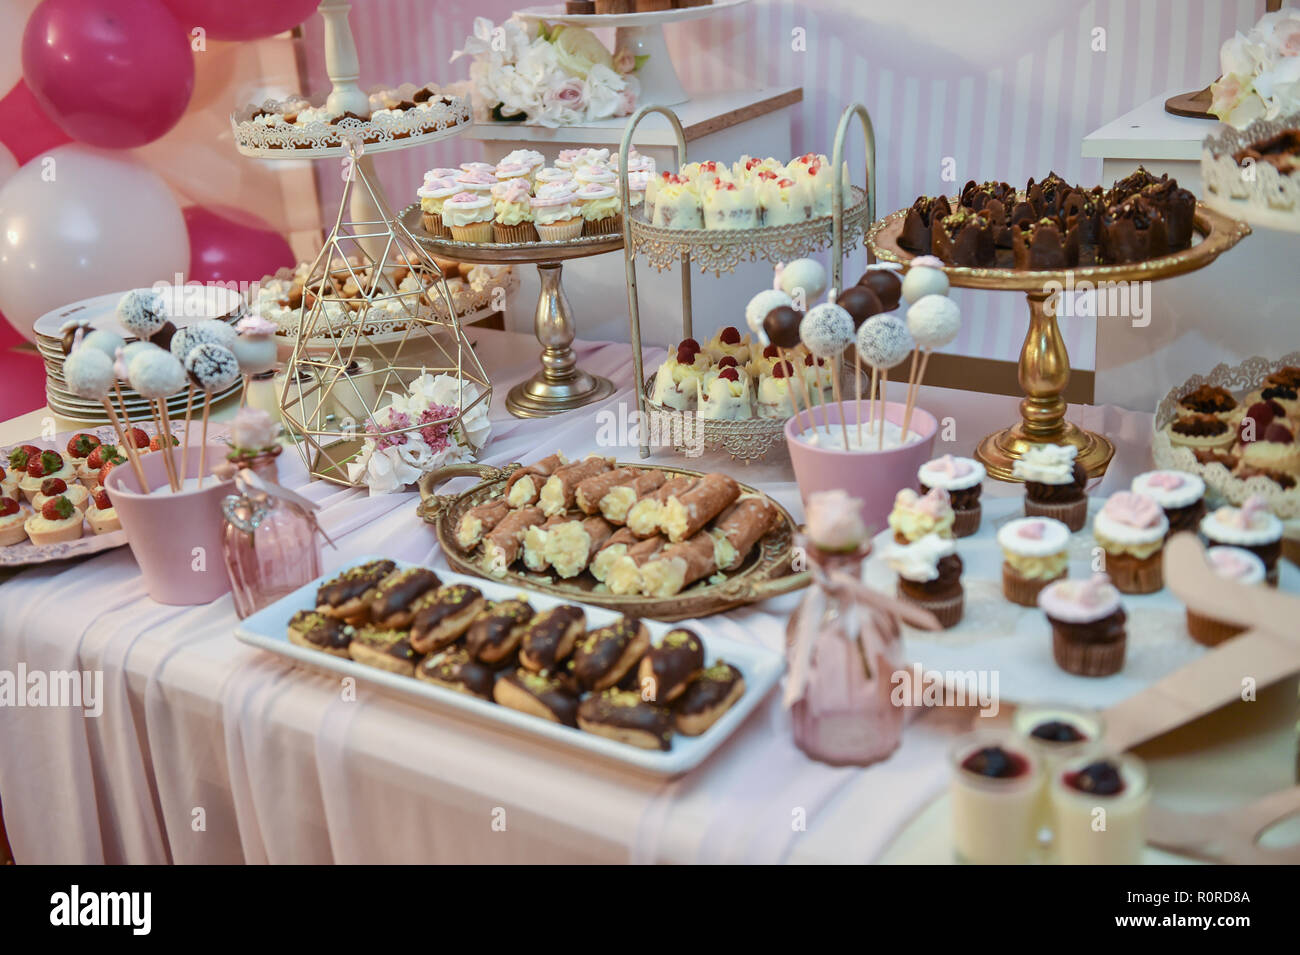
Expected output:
(1044, 362)
(721, 250)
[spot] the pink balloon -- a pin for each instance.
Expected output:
(115, 74)
(241, 19)
(225, 251)
(24, 126)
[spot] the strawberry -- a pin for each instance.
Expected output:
(8, 506)
(82, 444)
(106, 470)
(3, 472)
(20, 455)
(47, 462)
(53, 487)
(155, 443)
(138, 437)
(101, 498)
(57, 509)
(102, 455)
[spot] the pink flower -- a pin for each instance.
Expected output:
(571, 94)
(437, 420)
(626, 102)
(835, 521)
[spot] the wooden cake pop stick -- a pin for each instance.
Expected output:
(915, 390)
(871, 406)
(185, 448)
(203, 448)
(857, 391)
(884, 398)
(130, 449)
(166, 444)
(159, 426)
(835, 391)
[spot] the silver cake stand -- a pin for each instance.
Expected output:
(560, 385)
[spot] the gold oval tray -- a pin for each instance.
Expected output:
(765, 572)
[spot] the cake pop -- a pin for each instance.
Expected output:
(883, 342)
(142, 312)
(157, 375)
(934, 321)
(826, 330)
(127, 354)
(781, 326)
(805, 274)
(924, 278)
(758, 307)
(73, 331)
(861, 303)
(105, 341)
(210, 367)
(255, 345)
(89, 374)
(886, 281)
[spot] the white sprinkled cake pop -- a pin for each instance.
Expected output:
(142, 312)
(934, 321)
(212, 367)
(89, 373)
(884, 341)
(255, 347)
(806, 274)
(826, 330)
(923, 280)
(155, 373)
(759, 306)
(104, 341)
(213, 331)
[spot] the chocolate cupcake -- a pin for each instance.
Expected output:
(1088, 632)
(963, 479)
(1181, 496)
(1252, 527)
(929, 575)
(1055, 484)
(1230, 563)
(1131, 528)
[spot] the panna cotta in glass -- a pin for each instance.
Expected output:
(1099, 809)
(1057, 735)
(996, 785)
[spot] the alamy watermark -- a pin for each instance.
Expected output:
(1084, 299)
(626, 427)
(917, 686)
(75, 689)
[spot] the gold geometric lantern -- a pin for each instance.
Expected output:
(371, 274)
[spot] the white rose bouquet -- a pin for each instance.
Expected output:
(417, 432)
(1261, 71)
(548, 75)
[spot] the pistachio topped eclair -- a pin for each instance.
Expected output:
(604, 656)
(493, 636)
(540, 694)
(667, 669)
(550, 637)
(442, 616)
(392, 602)
(386, 649)
(343, 596)
(318, 631)
(624, 716)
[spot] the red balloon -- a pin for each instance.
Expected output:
(241, 19)
(114, 75)
(225, 251)
(25, 128)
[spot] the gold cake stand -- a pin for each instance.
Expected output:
(1044, 363)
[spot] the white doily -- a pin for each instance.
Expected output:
(1258, 193)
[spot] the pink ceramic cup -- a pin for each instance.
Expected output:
(872, 476)
(176, 538)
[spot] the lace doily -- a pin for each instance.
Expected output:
(1264, 196)
(1220, 483)
(746, 439)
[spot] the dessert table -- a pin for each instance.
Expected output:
(207, 750)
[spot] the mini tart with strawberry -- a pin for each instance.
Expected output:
(47, 464)
(139, 439)
(88, 471)
(156, 443)
(12, 519)
(80, 445)
(9, 483)
(54, 487)
(56, 522)
(729, 342)
(102, 515)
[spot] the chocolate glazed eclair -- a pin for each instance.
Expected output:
(709, 695)
(343, 596)
(604, 656)
(442, 617)
(623, 716)
(539, 694)
(666, 670)
(392, 602)
(550, 637)
(455, 669)
(316, 631)
(385, 649)
(494, 635)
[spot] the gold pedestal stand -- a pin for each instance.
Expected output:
(1044, 362)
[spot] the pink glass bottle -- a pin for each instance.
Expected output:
(269, 544)
(845, 716)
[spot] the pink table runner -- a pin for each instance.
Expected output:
(210, 751)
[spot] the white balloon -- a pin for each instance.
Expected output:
(78, 222)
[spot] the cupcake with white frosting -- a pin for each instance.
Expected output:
(963, 479)
(1034, 554)
(1089, 633)
(432, 195)
(929, 576)
(1180, 495)
(469, 216)
(1055, 483)
(1230, 563)
(556, 213)
(1252, 527)
(601, 209)
(1131, 529)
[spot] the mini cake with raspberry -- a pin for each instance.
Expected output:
(53, 487)
(762, 363)
(677, 381)
(1131, 529)
(1201, 432)
(773, 397)
(1035, 552)
(726, 397)
(916, 515)
(1252, 527)
(929, 576)
(102, 515)
(56, 522)
(729, 343)
(1282, 391)
(1210, 400)
(963, 479)
(1230, 563)
(1180, 495)
(1055, 483)
(12, 520)
(47, 464)
(1088, 625)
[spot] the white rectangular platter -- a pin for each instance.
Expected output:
(761, 668)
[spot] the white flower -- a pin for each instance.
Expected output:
(480, 41)
(604, 92)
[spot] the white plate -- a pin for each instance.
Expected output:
(186, 304)
(995, 635)
(643, 18)
(761, 668)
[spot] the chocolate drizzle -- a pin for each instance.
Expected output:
(353, 583)
(544, 642)
(396, 592)
(669, 667)
(454, 667)
(600, 651)
(493, 632)
(626, 710)
(708, 690)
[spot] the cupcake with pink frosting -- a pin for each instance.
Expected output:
(556, 213)
(479, 181)
(432, 195)
(1089, 635)
(1131, 529)
(963, 479)
(1252, 527)
(469, 216)
(916, 515)
(1180, 495)
(513, 212)
(1229, 563)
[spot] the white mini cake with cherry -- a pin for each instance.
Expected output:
(57, 521)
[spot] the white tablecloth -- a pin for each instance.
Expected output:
(210, 751)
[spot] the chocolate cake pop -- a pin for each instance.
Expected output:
(758, 307)
(924, 278)
(89, 373)
(142, 312)
(806, 274)
(782, 326)
(861, 303)
(886, 281)
(212, 367)
(155, 373)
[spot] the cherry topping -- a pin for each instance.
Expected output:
(782, 369)
(729, 335)
(8, 506)
(730, 374)
(771, 351)
(52, 487)
(1101, 778)
(727, 361)
(1057, 731)
(57, 509)
(2, 474)
(995, 762)
(1278, 433)
(684, 355)
(690, 343)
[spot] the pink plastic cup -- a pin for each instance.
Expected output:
(176, 538)
(872, 476)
